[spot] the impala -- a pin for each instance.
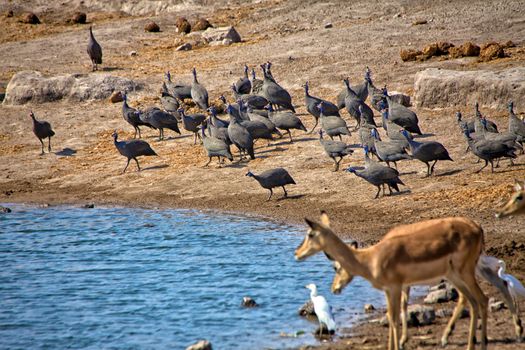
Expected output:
(516, 203)
(417, 254)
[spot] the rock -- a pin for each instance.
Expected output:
(431, 50)
(226, 41)
(88, 206)
(202, 24)
(420, 315)
(441, 296)
(491, 51)
(455, 52)
(444, 47)
(9, 13)
(152, 27)
(133, 53)
(221, 33)
(248, 302)
(328, 25)
(442, 285)
(447, 313)
(200, 345)
(496, 305)
(78, 18)
(184, 47)
(420, 22)
(307, 309)
(32, 86)
(116, 97)
(442, 88)
(183, 25)
(400, 98)
(30, 18)
(5, 209)
(469, 49)
(509, 43)
(369, 308)
(409, 54)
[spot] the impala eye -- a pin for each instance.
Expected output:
(520, 197)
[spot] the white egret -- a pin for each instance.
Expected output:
(322, 309)
(514, 286)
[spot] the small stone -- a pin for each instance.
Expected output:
(496, 306)
(369, 308)
(88, 206)
(152, 27)
(397, 15)
(116, 97)
(441, 296)
(227, 41)
(183, 25)
(78, 18)
(421, 315)
(9, 13)
(328, 25)
(248, 302)
(420, 22)
(409, 54)
(133, 53)
(184, 47)
(30, 18)
(5, 209)
(307, 309)
(200, 345)
(202, 24)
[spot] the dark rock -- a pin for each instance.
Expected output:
(183, 25)
(441, 295)
(446, 313)
(328, 25)
(420, 22)
(116, 97)
(469, 49)
(152, 27)
(409, 54)
(5, 209)
(200, 345)
(184, 47)
(88, 206)
(369, 308)
(307, 309)
(202, 24)
(79, 18)
(420, 315)
(30, 18)
(248, 302)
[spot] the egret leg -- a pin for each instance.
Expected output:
(136, 161)
(123, 171)
(285, 193)
(49, 144)
(270, 196)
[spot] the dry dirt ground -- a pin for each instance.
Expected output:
(291, 34)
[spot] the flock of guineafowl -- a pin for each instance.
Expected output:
(263, 109)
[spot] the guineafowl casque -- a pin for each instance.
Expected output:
(272, 178)
(94, 50)
(132, 149)
(42, 130)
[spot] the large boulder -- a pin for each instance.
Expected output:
(32, 86)
(440, 88)
(221, 33)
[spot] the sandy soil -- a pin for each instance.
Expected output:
(291, 34)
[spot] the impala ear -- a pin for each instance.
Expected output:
(324, 219)
(353, 244)
(314, 226)
(518, 186)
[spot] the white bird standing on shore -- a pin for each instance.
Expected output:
(514, 286)
(322, 309)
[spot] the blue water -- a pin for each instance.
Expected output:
(123, 278)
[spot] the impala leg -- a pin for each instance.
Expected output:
(404, 313)
(452, 322)
(270, 196)
(394, 307)
(482, 306)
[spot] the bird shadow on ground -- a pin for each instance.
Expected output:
(110, 69)
(295, 196)
(407, 173)
(304, 139)
(276, 149)
(450, 172)
(66, 152)
(400, 193)
(153, 167)
(424, 136)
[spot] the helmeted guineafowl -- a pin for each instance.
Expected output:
(244, 85)
(332, 125)
(388, 151)
(132, 116)
(312, 104)
(272, 178)
(94, 50)
(256, 84)
(360, 90)
(199, 94)
(168, 102)
(160, 120)
(285, 120)
(132, 149)
(426, 152)
(402, 116)
(178, 90)
(274, 92)
(191, 122)
(488, 150)
(215, 147)
(335, 149)
(516, 125)
(239, 136)
(42, 130)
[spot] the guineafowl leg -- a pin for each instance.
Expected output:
(432, 167)
(497, 163)
(483, 167)
(316, 122)
(49, 145)
(160, 134)
(395, 165)
(140, 136)
(123, 171)
(340, 138)
(42, 142)
(137, 161)
(285, 193)
(270, 196)
(491, 166)
(209, 161)
(194, 138)
(428, 169)
(290, 134)
(378, 191)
